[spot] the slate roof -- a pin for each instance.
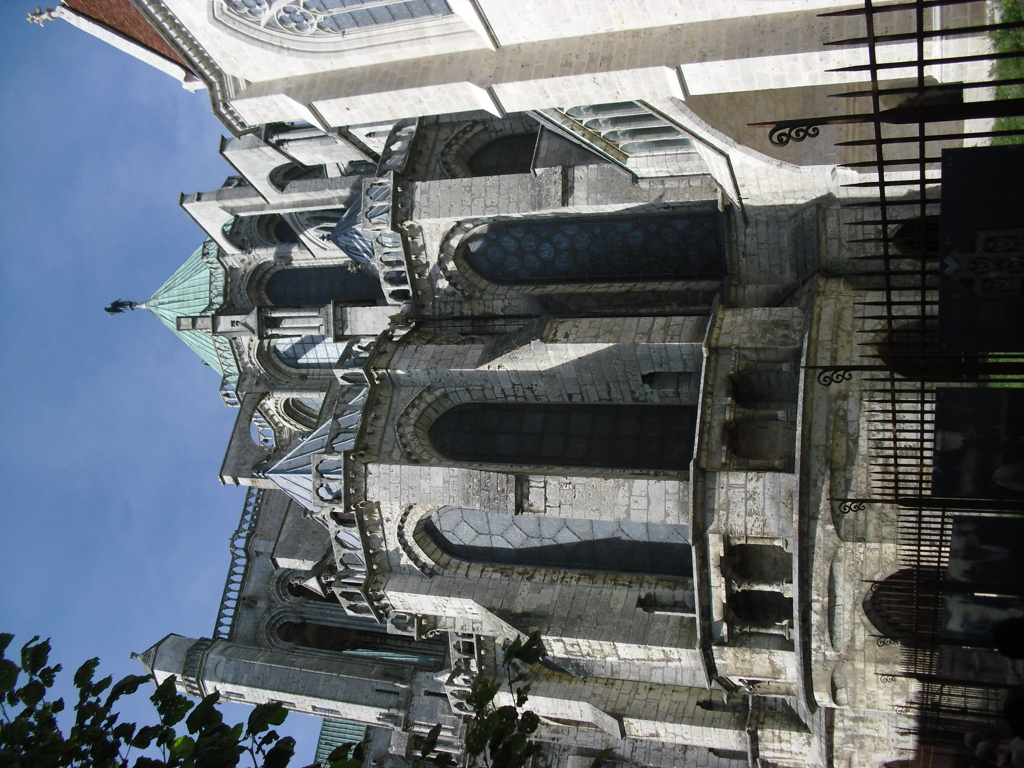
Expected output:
(293, 474)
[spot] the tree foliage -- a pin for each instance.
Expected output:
(31, 734)
(500, 736)
(1009, 41)
(194, 735)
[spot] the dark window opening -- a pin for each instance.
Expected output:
(761, 609)
(504, 155)
(371, 644)
(283, 233)
(598, 249)
(323, 637)
(917, 237)
(730, 754)
(764, 441)
(317, 286)
(764, 389)
(762, 563)
(651, 437)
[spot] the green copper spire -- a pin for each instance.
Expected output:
(196, 287)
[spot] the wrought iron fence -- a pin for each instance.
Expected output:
(902, 367)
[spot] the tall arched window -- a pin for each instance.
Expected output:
(598, 249)
(308, 351)
(359, 643)
(317, 286)
(633, 436)
(552, 542)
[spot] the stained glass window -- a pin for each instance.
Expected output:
(598, 249)
(633, 436)
(317, 286)
(332, 17)
(369, 644)
(308, 352)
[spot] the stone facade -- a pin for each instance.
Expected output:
(518, 319)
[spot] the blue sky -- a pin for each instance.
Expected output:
(113, 525)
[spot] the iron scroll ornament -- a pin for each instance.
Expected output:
(829, 376)
(781, 135)
(784, 131)
(846, 506)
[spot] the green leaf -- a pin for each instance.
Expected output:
(268, 738)
(170, 705)
(265, 715)
(5, 640)
(124, 732)
(522, 695)
(280, 754)
(442, 760)
(603, 755)
(431, 740)
(148, 762)
(341, 752)
(100, 687)
(31, 693)
(205, 715)
(145, 735)
(516, 743)
(505, 720)
(182, 748)
(512, 651)
(482, 694)
(34, 655)
(217, 746)
(477, 736)
(125, 687)
(532, 649)
(8, 675)
(529, 722)
(48, 675)
(166, 737)
(83, 677)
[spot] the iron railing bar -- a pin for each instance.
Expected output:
(887, 164)
(872, 41)
(966, 59)
(891, 8)
(932, 137)
(918, 89)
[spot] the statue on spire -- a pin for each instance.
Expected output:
(119, 306)
(40, 17)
